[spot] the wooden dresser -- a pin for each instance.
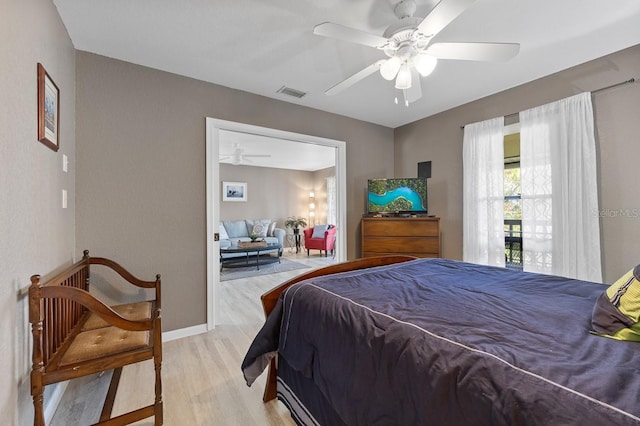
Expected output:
(415, 236)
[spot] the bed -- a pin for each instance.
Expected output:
(405, 341)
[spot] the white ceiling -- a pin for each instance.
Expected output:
(283, 154)
(259, 46)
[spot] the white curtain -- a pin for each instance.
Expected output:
(561, 231)
(483, 191)
(331, 201)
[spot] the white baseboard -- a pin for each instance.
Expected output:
(184, 332)
(54, 400)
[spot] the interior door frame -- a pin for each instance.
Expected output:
(213, 189)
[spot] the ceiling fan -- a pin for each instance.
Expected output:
(239, 157)
(407, 43)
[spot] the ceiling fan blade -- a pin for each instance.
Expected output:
(340, 32)
(474, 51)
(414, 92)
(442, 15)
(349, 81)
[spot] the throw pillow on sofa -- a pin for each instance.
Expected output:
(272, 227)
(260, 230)
(251, 223)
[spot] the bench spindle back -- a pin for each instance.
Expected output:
(58, 317)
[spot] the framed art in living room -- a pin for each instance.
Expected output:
(234, 191)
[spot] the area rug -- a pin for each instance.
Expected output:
(250, 271)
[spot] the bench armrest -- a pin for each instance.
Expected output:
(128, 276)
(96, 306)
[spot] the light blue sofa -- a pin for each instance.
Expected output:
(232, 231)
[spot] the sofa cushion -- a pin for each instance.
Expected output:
(223, 232)
(236, 228)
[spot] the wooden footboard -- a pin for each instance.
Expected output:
(270, 298)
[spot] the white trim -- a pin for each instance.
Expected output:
(213, 127)
(51, 405)
(168, 336)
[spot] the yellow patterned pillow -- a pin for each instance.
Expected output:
(617, 311)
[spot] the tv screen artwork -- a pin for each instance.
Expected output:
(407, 195)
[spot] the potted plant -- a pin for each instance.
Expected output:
(295, 223)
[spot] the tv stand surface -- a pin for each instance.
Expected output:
(399, 214)
(414, 236)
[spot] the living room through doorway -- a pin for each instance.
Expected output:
(259, 145)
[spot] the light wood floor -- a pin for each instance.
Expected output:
(202, 380)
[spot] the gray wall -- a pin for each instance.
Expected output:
(271, 193)
(276, 194)
(141, 169)
(439, 139)
(37, 236)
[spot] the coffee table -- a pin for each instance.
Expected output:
(252, 256)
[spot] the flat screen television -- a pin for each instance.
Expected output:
(408, 195)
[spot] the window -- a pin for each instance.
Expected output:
(512, 202)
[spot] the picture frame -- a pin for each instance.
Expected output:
(234, 191)
(48, 110)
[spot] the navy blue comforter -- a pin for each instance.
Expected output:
(441, 342)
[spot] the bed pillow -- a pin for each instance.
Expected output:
(223, 232)
(319, 230)
(617, 311)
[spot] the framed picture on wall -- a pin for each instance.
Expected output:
(48, 110)
(234, 191)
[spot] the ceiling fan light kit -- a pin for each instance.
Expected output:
(425, 64)
(389, 69)
(407, 43)
(403, 81)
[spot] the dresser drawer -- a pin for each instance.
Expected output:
(412, 236)
(401, 227)
(401, 245)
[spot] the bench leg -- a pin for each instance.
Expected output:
(38, 418)
(158, 417)
(110, 399)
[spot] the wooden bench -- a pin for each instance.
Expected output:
(75, 334)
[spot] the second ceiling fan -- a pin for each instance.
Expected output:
(238, 156)
(407, 43)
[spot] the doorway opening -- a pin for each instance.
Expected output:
(214, 129)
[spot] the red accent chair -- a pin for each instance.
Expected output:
(327, 243)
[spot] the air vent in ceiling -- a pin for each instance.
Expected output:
(291, 92)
